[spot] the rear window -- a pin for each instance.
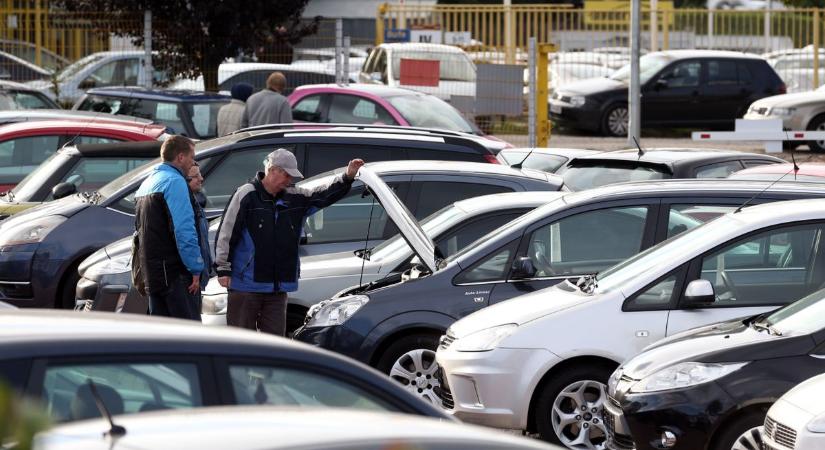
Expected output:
(581, 177)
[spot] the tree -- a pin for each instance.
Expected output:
(20, 420)
(193, 37)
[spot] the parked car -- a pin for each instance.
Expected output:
(457, 73)
(370, 104)
(28, 115)
(799, 111)
(339, 239)
(189, 113)
(794, 422)
(254, 73)
(711, 387)
(808, 173)
(58, 235)
(27, 51)
(745, 4)
(546, 159)
(569, 338)
(393, 322)
(115, 68)
(599, 169)
(17, 69)
(76, 167)
(24, 146)
(680, 88)
(16, 96)
(141, 363)
(253, 428)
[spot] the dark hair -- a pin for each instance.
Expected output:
(174, 146)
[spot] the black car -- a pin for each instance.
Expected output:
(43, 246)
(393, 322)
(142, 364)
(680, 88)
(599, 169)
(710, 388)
(190, 113)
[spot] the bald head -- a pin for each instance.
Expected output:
(276, 82)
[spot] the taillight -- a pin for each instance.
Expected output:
(782, 89)
(492, 159)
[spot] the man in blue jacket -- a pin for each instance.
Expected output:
(256, 252)
(168, 251)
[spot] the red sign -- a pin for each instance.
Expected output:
(419, 72)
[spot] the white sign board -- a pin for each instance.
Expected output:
(768, 131)
(458, 37)
(426, 36)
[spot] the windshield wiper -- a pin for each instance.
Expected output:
(760, 325)
(587, 283)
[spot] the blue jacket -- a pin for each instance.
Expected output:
(165, 222)
(203, 236)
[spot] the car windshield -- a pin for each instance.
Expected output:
(649, 65)
(431, 112)
(803, 316)
(25, 190)
(452, 66)
(579, 178)
(433, 225)
(204, 118)
(14, 100)
(123, 180)
(78, 65)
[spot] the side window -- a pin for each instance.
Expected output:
(773, 267)
(719, 170)
(745, 77)
(109, 105)
(722, 73)
(92, 174)
(124, 388)
(347, 219)
(233, 171)
(683, 74)
(582, 244)
(130, 69)
(685, 217)
(438, 194)
(381, 65)
(104, 75)
(322, 157)
(457, 240)
(660, 295)
(491, 268)
(308, 109)
(266, 385)
(94, 140)
(353, 109)
(257, 78)
(26, 151)
(756, 162)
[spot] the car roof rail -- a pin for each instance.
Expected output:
(356, 127)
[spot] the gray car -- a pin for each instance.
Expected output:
(424, 187)
(798, 111)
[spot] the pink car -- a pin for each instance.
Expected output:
(376, 105)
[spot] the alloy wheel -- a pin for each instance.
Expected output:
(749, 440)
(821, 127)
(577, 415)
(617, 120)
(416, 370)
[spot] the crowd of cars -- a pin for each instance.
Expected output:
(662, 298)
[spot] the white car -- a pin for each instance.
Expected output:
(121, 68)
(307, 72)
(457, 73)
(797, 418)
(797, 111)
(540, 361)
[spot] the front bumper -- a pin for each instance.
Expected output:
(786, 429)
(28, 278)
(793, 122)
(494, 387)
(692, 415)
(581, 117)
(337, 338)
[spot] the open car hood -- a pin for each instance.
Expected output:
(409, 228)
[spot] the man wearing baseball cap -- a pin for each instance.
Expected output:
(256, 252)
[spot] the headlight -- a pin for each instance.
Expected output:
(817, 425)
(214, 304)
(784, 112)
(613, 381)
(28, 232)
(684, 375)
(484, 340)
(337, 312)
(119, 264)
(577, 100)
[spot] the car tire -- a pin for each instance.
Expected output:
(616, 120)
(817, 124)
(68, 291)
(554, 400)
(742, 433)
(294, 319)
(411, 362)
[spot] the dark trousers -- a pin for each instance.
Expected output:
(257, 311)
(176, 301)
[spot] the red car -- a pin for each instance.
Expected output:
(808, 172)
(24, 145)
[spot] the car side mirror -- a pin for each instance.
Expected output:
(699, 293)
(661, 83)
(63, 189)
(523, 268)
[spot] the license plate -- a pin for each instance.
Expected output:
(555, 109)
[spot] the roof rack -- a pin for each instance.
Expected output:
(330, 126)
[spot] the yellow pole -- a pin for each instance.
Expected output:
(379, 23)
(542, 121)
(38, 33)
(816, 48)
(665, 29)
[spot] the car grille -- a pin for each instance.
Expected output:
(446, 341)
(781, 434)
(86, 305)
(443, 390)
(617, 441)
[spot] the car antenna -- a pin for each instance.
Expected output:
(366, 255)
(794, 169)
(518, 164)
(641, 152)
(114, 430)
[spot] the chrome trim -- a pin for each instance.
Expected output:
(19, 283)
